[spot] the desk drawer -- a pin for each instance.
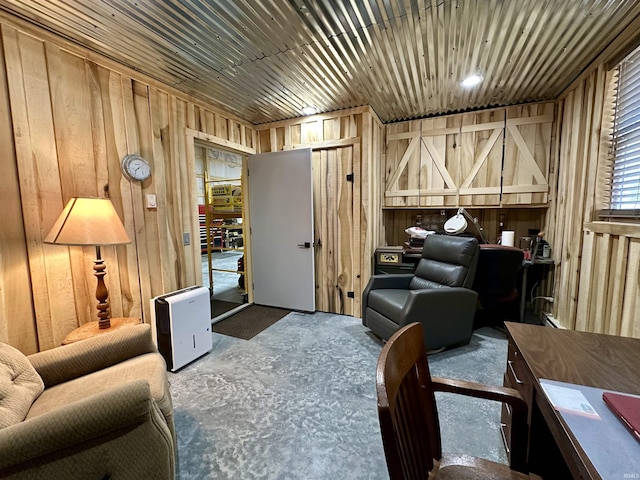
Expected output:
(518, 377)
(505, 424)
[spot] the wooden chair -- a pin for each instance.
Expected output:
(409, 417)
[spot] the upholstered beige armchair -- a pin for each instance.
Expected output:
(99, 408)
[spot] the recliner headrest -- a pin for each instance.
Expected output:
(446, 261)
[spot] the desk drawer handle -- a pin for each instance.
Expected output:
(507, 447)
(513, 372)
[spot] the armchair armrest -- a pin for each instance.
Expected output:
(446, 302)
(500, 394)
(64, 363)
(78, 423)
(397, 280)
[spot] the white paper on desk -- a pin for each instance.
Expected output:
(569, 400)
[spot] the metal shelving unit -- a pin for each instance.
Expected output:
(215, 216)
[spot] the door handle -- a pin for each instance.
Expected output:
(305, 245)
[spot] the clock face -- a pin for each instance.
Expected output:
(136, 168)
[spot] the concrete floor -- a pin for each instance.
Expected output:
(298, 401)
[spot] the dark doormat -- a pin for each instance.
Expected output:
(218, 307)
(249, 322)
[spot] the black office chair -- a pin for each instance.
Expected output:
(496, 282)
(438, 294)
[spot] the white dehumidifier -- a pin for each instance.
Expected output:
(181, 325)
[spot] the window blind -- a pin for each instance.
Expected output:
(625, 179)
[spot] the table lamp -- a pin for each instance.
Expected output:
(91, 221)
(458, 224)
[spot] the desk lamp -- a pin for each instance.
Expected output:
(91, 221)
(458, 224)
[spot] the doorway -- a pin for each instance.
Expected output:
(219, 176)
(282, 234)
(337, 254)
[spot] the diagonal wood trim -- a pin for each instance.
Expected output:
(403, 162)
(428, 144)
(484, 154)
(530, 161)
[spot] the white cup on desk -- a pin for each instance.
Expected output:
(507, 238)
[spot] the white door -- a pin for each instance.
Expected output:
(281, 215)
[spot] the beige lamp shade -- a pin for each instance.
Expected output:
(88, 221)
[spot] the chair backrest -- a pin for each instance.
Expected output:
(406, 406)
(447, 261)
(497, 272)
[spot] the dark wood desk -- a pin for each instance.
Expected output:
(535, 352)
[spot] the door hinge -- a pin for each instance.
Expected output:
(350, 177)
(351, 294)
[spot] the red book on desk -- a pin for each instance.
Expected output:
(626, 408)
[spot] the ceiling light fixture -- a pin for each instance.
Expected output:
(472, 80)
(309, 110)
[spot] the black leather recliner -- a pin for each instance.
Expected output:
(438, 294)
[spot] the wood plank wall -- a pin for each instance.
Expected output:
(597, 288)
(68, 118)
(519, 220)
(347, 216)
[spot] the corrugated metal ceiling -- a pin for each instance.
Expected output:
(264, 60)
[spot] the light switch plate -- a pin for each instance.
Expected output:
(151, 201)
(186, 239)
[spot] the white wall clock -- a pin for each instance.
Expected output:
(135, 167)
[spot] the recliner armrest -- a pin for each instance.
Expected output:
(64, 363)
(80, 422)
(446, 313)
(449, 299)
(398, 280)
